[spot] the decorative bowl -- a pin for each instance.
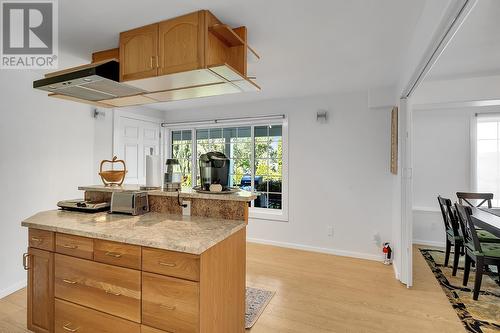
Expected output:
(113, 177)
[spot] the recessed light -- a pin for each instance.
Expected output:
(52, 87)
(87, 80)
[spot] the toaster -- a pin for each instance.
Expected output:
(130, 202)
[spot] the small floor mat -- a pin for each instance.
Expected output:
(256, 302)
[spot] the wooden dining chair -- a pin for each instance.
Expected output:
(482, 254)
(464, 197)
(453, 237)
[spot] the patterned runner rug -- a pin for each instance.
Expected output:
(478, 316)
(257, 300)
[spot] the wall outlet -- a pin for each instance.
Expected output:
(186, 210)
(329, 230)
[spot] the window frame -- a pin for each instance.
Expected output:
(475, 120)
(254, 212)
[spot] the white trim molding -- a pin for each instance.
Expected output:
(343, 253)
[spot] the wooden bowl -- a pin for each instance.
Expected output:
(113, 176)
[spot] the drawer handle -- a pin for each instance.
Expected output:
(168, 264)
(25, 261)
(35, 239)
(113, 254)
(69, 281)
(113, 293)
(168, 307)
(69, 246)
(67, 328)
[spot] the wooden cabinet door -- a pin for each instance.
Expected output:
(138, 53)
(40, 291)
(181, 44)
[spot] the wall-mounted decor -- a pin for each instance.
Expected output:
(394, 140)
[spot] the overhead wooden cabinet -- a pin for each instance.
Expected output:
(40, 266)
(139, 53)
(181, 43)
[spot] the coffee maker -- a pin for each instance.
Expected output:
(214, 169)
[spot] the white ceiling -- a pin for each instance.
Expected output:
(475, 49)
(307, 47)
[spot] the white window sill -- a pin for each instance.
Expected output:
(268, 214)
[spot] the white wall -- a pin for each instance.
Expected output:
(442, 165)
(338, 172)
(46, 149)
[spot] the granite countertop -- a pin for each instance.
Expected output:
(186, 192)
(190, 234)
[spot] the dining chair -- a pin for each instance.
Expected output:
(464, 197)
(483, 254)
(453, 237)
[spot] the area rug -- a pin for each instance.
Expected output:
(478, 316)
(257, 300)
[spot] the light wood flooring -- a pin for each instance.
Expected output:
(318, 293)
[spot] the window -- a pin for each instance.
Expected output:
(488, 156)
(256, 154)
(182, 150)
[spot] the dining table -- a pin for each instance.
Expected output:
(487, 219)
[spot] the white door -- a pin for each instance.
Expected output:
(134, 140)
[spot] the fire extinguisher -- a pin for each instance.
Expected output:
(387, 254)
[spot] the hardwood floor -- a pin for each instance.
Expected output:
(318, 293)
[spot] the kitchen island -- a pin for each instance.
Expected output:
(152, 273)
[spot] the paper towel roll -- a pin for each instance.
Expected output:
(153, 174)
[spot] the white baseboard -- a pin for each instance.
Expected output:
(343, 253)
(12, 289)
(428, 243)
(396, 272)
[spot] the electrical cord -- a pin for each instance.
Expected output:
(179, 200)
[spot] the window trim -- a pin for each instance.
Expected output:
(254, 212)
(474, 121)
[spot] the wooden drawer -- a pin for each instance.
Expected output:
(73, 318)
(41, 239)
(147, 329)
(118, 254)
(170, 304)
(177, 264)
(110, 289)
(75, 246)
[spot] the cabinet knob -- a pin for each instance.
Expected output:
(25, 261)
(69, 281)
(113, 254)
(35, 239)
(168, 264)
(113, 293)
(69, 246)
(168, 307)
(69, 329)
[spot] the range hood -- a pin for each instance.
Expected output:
(94, 82)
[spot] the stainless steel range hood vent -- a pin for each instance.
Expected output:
(94, 82)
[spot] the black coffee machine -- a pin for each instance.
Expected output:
(214, 169)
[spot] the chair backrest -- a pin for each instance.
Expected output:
(465, 197)
(449, 217)
(467, 225)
